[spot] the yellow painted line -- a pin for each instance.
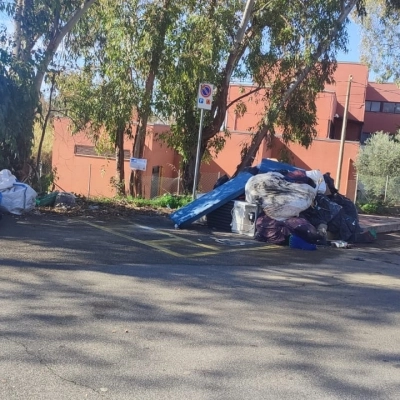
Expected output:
(171, 235)
(256, 248)
(144, 242)
(164, 241)
(174, 238)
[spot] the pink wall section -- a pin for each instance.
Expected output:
(228, 159)
(91, 175)
(359, 83)
(322, 155)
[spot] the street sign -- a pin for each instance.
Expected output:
(138, 163)
(205, 96)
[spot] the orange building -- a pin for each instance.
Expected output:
(372, 107)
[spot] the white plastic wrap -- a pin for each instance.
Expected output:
(7, 179)
(318, 178)
(17, 199)
(279, 198)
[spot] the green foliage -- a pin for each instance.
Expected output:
(372, 208)
(47, 181)
(378, 167)
(16, 114)
(171, 201)
(165, 201)
(380, 31)
(280, 43)
(26, 53)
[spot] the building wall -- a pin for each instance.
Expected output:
(379, 121)
(91, 175)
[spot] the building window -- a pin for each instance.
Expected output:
(364, 137)
(388, 107)
(81, 150)
(397, 108)
(374, 106)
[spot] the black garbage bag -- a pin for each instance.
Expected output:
(221, 180)
(330, 183)
(348, 206)
(343, 226)
(305, 230)
(297, 176)
(271, 230)
(322, 211)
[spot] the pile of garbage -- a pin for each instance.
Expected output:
(17, 197)
(303, 209)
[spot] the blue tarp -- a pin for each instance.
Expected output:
(211, 200)
(268, 165)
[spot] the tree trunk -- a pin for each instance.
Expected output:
(119, 156)
(45, 123)
(135, 180)
(188, 168)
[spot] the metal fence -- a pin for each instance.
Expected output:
(385, 189)
(154, 186)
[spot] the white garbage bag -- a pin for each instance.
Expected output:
(318, 178)
(279, 198)
(17, 199)
(7, 179)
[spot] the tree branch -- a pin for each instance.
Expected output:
(257, 89)
(55, 42)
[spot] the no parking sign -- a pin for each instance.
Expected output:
(205, 96)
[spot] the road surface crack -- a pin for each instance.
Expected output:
(51, 370)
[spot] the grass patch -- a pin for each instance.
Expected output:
(166, 201)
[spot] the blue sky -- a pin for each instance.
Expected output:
(352, 55)
(354, 45)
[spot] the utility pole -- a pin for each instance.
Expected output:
(343, 135)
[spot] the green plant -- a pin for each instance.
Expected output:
(47, 181)
(171, 201)
(372, 208)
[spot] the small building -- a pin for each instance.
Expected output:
(372, 107)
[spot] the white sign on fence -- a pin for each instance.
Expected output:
(138, 163)
(205, 96)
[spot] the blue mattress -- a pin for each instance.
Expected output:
(211, 200)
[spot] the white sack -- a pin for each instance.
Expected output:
(279, 198)
(318, 178)
(7, 179)
(17, 199)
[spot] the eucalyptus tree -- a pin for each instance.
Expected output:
(313, 34)
(285, 47)
(380, 38)
(29, 43)
(378, 166)
(122, 44)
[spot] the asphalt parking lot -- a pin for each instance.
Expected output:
(134, 309)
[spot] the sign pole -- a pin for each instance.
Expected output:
(343, 135)
(197, 167)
